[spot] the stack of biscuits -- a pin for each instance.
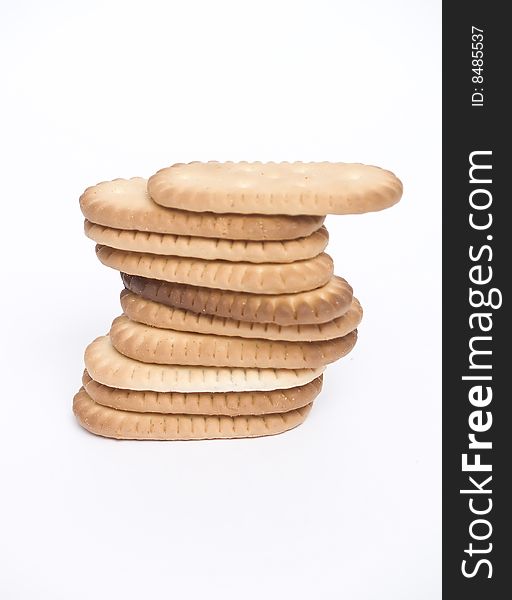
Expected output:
(230, 309)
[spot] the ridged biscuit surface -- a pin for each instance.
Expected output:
(155, 314)
(276, 188)
(108, 366)
(125, 204)
(264, 278)
(170, 347)
(211, 248)
(125, 425)
(204, 403)
(317, 306)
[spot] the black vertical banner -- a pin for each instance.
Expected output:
(477, 360)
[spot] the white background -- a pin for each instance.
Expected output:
(346, 506)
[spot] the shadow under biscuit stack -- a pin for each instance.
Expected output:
(230, 309)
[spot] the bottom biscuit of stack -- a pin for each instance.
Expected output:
(125, 425)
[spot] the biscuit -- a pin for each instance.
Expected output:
(214, 249)
(108, 366)
(122, 424)
(264, 278)
(154, 314)
(125, 204)
(275, 188)
(170, 347)
(205, 403)
(317, 306)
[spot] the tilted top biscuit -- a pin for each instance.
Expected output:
(275, 188)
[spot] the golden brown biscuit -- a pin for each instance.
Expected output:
(317, 306)
(170, 347)
(264, 278)
(167, 244)
(297, 188)
(205, 403)
(154, 314)
(125, 425)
